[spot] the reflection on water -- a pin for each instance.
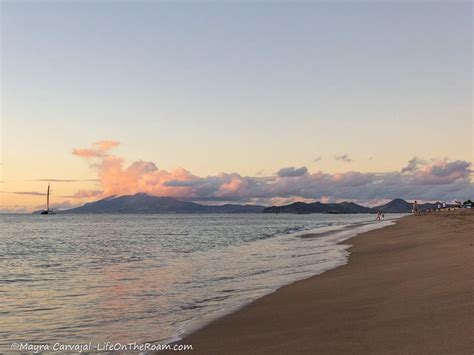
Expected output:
(128, 278)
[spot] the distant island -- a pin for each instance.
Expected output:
(142, 203)
(395, 206)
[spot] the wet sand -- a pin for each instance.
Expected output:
(407, 289)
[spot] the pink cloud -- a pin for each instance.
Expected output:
(99, 149)
(443, 172)
(87, 193)
(116, 178)
(106, 145)
(352, 178)
(141, 176)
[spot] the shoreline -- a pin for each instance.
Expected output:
(350, 308)
(340, 236)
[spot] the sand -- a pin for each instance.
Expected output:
(407, 289)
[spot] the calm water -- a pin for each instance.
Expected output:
(146, 278)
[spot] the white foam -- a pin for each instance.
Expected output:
(340, 256)
(359, 229)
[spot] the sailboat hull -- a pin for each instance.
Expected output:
(47, 212)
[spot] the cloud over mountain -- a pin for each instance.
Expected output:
(292, 171)
(413, 165)
(440, 179)
(443, 172)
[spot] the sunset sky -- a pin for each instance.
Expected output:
(247, 102)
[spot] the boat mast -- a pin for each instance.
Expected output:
(47, 200)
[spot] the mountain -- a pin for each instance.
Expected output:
(318, 207)
(143, 203)
(401, 206)
(395, 206)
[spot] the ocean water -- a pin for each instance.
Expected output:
(151, 278)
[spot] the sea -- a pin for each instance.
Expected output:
(153, 278)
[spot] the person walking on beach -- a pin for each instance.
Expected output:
(379, 216)
(415, 207)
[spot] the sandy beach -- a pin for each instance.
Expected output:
(407, 289)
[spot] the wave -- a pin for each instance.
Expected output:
(328, 238)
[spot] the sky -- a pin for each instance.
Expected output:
(241, 101)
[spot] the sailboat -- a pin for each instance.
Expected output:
(47, 211)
